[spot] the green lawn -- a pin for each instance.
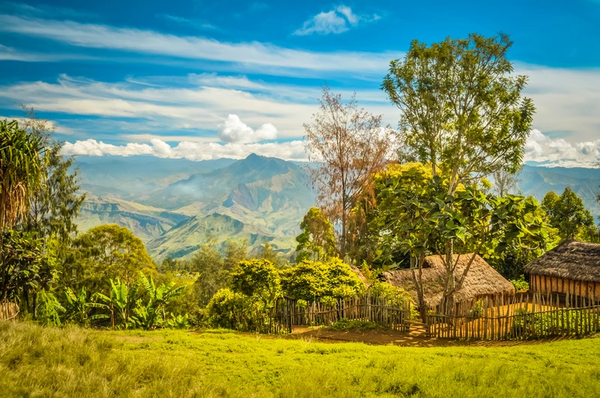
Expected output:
(73, 362)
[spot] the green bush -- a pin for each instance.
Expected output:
(313, 280)
(228, 309)
(478, 309)
(345, 325)
(521, 285)
(537, 325)
(49, 309)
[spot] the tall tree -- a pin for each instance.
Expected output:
(462, 113)
(55, 205)
(213, 276)
(317, 240)
(347, 144)
(105, 252)
(414, 214)
(462, 109)
(569, 216)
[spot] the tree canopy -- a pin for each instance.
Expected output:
(569, 216)
(461, 107)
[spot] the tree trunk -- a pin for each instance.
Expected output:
(416, 264)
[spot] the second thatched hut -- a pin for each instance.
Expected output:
(481, 281)
(570, 268)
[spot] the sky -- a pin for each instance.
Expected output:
(208, 79)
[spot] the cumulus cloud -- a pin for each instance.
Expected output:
(195, 151)
(558, 152)
(336, 21)
(235, 131)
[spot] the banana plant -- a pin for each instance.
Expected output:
(77, 307)
(151, 314)
(120, 302)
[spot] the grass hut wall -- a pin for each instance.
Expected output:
(572, 267)
(481, 281)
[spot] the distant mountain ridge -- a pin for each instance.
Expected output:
(176, 205)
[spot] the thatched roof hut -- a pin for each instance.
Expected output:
(570, 268)
(481, 280)
(573, 260)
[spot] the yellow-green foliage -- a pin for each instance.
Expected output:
(74, 362)
(321, 281)
(226, 308)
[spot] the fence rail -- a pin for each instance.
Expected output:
(288, 313)
(518, 317)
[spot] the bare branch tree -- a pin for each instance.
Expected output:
(348, 144)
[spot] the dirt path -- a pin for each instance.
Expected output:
(415, 338)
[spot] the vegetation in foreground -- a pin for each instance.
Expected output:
(38, 361)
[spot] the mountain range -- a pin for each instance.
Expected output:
(176, 205)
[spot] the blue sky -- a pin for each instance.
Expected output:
(206, 79)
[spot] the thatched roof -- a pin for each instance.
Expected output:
(572, 260)
(481, 280)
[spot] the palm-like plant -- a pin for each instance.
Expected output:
(20, 171)
(77, 307)
(148, 316)
(119, 302)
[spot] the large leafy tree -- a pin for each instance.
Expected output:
(347, 144)
(462, 108)
(462, 114)
(317, 240)
(569, 216)
(105, 252)
(416, 215)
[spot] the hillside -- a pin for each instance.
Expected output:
(537, 181)
(176, 205)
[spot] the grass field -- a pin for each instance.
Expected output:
(73, 362)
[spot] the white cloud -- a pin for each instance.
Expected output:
(335, 21)
(263, 57)
(323, 23)
(558, 152)
(567, 101)
(235, 131)
(161, 108)
(195, 151)
(194, 23)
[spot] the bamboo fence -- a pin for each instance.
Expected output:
(8, 310)
(518, 317)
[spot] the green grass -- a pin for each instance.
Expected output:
(73, 362)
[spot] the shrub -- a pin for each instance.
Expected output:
(228, 309)
(345, 324)
(478, 309)
(48, 309)
(521, 285)
(313, 280)
(258, 279)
